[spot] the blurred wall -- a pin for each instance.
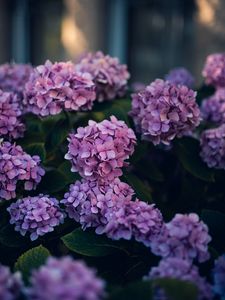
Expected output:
(152, 36)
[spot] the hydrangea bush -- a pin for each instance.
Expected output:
(107, 193)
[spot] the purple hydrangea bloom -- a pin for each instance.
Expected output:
(108, 74)
(10, 284)
(163, 111)
(54, 87)
(219, 276)
(35, 215)
(16, 165)
(214, 70)
(135, 219)
(87, 201)
(213, 108)
(180, 76)
(13, 78)
(178, 268)
(65, 279)
(110, 210)
(98, 151)
(213, 147)
(11, 125)
(185, 236)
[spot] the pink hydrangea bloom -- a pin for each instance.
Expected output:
(35, 215)
(178, 268)
(10, 284)
(11, 125)
(13, 77)
(164, 111)
(180, 76)
(108, 74)
(56, 87)
(185, 236)
(65, 278)
(213, 147)
(109, 208)
(16, 165)
(98, 151)
(214, 70)
(213, 108)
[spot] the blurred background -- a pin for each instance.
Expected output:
(151, 36)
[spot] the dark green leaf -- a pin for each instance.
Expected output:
(33, 123)
(65, 169)
(188, 150)
(119, 108)
(57, 135)
(88, 243)
(142, 190)
(31, 138)
(32, 259)
(48, 123)
(52, 182)
(176, 289)
(138, 290)
(36, 149)
(10, 238)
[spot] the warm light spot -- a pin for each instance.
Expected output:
(206, 11)
(72, 37)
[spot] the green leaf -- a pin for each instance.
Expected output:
(10, 238)
(176, 289)
(119, 108)
(48, 123)
(36, 149)
(65, 168)
(52, 182)
(89, 243)
(32, 259)
(33, 123)
(143, 191)
(138, 290)
(188, 150)
(57, 135)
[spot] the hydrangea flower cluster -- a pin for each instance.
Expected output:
(13, 77)
(10, 284)
(101, 200)
(98, 151)
(185, 236)
(35, 215)
(164, 111)
(214, 70)
(16, 165)
(87, 201)
(11, 125)
(54, 87)
(108, 74)
(213, 147)
(135, 219)
(213, 108)
(65, 279)
(180, 76)
(178, 268)
(219, 276)
(109, 208)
